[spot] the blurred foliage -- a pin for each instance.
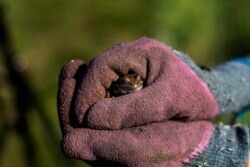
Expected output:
(48, 33)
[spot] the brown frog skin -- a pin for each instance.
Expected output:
(128, 83)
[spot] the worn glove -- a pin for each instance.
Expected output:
(156, 126)
(157, 144)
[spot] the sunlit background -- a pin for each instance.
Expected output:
(45, 34)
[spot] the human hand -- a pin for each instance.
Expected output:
(158, 144)
(141, 134)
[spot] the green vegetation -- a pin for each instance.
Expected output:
(48, 33)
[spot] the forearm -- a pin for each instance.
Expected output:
(229, 83)
(233, 85)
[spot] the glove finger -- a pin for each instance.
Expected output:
(157, 144)
(130, 110)
(69, 77)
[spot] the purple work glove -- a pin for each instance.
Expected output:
(144, 128)
(172, 90)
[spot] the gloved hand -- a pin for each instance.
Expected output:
(161, 144)
(144, 128)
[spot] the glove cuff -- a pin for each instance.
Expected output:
(229, 146)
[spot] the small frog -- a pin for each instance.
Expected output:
(128, 83)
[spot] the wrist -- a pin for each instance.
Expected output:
(229, 146)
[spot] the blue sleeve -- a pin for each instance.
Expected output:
(242, 60)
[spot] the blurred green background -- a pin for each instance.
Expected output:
(47, 33)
